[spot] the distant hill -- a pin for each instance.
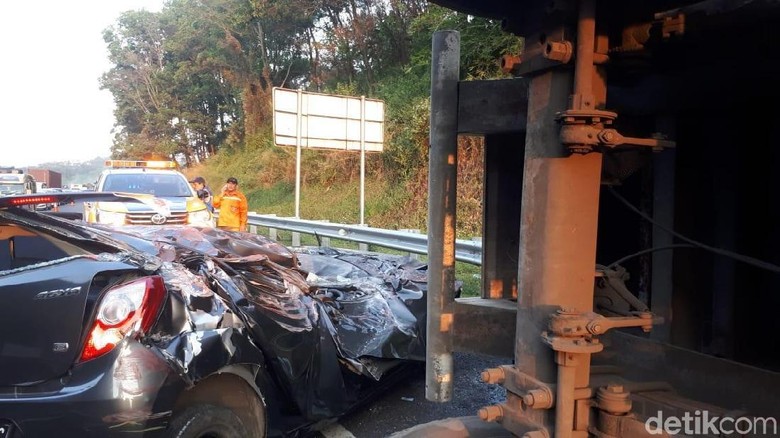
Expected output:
(82, 172)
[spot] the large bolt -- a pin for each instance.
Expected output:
(615, 388)
(537, 398)
(491, 413)
(560, 51)
(614, 399)
(609, 136)
(647, 316)
(509, 63)
(493, 376)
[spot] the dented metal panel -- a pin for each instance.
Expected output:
(314, 327)
(309, 317)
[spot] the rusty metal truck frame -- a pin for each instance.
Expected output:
(590, 357)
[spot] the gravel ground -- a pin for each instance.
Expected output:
(405, 405)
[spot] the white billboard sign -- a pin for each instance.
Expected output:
(327, 121)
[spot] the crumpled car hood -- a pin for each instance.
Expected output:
(324, 319)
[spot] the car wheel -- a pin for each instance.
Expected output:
(207, 421)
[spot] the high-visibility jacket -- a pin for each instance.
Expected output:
(233, 209)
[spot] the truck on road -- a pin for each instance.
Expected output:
(50, 178)
(15, 182)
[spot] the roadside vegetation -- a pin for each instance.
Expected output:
(194, 82)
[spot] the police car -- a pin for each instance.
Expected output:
(167, 197)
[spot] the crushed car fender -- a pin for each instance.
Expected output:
(357, 313)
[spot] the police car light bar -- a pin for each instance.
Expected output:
(141, 164)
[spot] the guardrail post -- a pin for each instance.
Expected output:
(253, 228)
(325, 241)
(362, 246)
(442, 190)
(272, 232)
(412, 255)
(296, 239)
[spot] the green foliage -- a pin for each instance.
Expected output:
(275, 199)
(195, 80)
(196, 77)
(482, 42)
(470, 275)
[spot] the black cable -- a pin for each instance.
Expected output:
(645, 251)
(743, 258)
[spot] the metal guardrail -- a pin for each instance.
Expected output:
(469, 251)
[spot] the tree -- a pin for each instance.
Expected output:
(197, 76)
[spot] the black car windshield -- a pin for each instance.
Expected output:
(160, 185)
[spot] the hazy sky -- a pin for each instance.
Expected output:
(51, 107)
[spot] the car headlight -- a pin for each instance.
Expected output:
(110, 217)
(200, 217)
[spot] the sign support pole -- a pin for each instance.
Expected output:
(362, 159)
(298, 157)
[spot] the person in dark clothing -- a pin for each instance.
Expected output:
(204, 193)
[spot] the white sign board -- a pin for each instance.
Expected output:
(327, 121)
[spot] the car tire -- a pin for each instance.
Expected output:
(207, 421)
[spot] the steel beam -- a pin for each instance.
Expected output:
(492, 106)
(493, 335)
(559, 216)
(501, 216)
(442, 189)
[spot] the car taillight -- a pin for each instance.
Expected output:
(129, 308)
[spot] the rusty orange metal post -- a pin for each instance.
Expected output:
(558, 226)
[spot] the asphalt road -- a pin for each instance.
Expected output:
(76, 207)
(405, 406)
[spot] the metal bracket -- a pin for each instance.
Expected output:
(534, 393)
(572, 345)
(583, 326)
(611, 138)
(524, 394)
(513, 420)
(583, 132)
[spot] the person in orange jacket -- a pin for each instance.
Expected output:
(233, 207)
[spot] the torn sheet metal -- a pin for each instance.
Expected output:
(320, 317)
(312, 331)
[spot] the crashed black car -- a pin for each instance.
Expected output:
(187, 332)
